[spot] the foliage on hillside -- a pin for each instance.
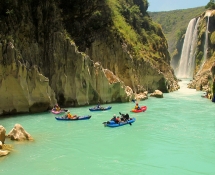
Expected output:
(85, 21)
(174, 23)
(133, 24)
(210, 5)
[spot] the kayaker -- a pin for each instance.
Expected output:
(68, 115)
(56, 107)
(126, 117)
(114, 118)
(137, 106)
(98, 106)
(122, 117)
(118, 120)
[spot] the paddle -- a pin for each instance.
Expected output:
(105, 123)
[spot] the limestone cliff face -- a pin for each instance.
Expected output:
(140, 75)
(142, 64)
(57, 52)
(22, 89)
(77, 80)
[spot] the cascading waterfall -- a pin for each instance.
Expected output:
(205, 47)
(192, 57)
(187, 60)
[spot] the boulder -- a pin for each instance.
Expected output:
(4, 152)
(157, 94)
(2, 134)
(142, 96)
(18, 133)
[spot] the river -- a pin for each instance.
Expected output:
(175, 135)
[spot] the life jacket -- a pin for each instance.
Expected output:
(69, 115)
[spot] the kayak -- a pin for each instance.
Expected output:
(113, 124)
(142, 109)
(78, 118)
(100, 109)
(58, 112)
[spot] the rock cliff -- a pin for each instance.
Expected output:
(71, 52)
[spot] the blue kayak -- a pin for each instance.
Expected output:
(100, 109)
(113, 124)
(72, 119)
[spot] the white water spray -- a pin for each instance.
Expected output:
(187, 60)
(192, 57)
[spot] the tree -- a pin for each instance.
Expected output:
(210, 5)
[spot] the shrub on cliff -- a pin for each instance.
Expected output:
(210, 5)
(212, 38)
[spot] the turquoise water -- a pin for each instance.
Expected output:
(176, 135)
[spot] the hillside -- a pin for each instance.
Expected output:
(174, 23)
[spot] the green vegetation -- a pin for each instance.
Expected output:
(210, 5)
(212, 38)
(174, 23)
(133, 24)
(180, 33)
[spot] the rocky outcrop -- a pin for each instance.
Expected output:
(18, 133)
(4, 152)
(140, 75)
(22, 88)
(2, 134)
(157, 94)
(201, 81)
(81, 81)
(142, 96)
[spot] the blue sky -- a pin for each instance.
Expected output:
(167, 5)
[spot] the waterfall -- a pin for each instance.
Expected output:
(187, 60)
(205, 47)
(192, 57)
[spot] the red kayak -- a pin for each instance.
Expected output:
(142, 109)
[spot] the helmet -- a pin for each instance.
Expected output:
(136, 103)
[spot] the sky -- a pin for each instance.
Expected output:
(167, 5)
